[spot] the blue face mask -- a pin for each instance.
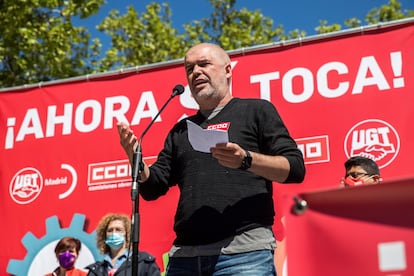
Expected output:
(115, 240)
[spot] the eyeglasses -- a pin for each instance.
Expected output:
(356, 175)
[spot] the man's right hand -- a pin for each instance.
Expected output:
(128, 139)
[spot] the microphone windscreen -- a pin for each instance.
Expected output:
(178, 90)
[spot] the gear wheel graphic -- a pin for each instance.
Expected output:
(53, 232)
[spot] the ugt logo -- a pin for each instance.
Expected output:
(375, 139)
(26, 185)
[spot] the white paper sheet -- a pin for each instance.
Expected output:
(203, 139)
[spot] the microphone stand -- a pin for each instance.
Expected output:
(137, 168)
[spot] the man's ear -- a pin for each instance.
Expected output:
(228, 69)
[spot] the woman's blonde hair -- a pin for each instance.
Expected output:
(103, 226)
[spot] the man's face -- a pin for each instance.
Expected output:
(207, 73)
(357, 176)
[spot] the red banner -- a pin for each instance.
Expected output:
(366, 230)
(62, 167)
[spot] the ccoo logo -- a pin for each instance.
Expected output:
(375, 139)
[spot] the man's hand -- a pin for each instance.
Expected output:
(231, 155)
(127, 138)
(228, 154)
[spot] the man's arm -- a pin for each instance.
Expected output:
(274, 168)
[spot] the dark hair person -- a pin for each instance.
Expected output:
(67, 252)
(360, 170)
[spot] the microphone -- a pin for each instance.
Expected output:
(177, 90)
(137, 165)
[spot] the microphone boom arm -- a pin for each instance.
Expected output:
(137, 164)
(137, 168)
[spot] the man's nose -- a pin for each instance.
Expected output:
(197, 70)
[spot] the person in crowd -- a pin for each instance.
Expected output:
(225, 213)
(113, 241)
(67, 251)
(360, 170)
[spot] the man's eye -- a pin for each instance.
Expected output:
(189, 70)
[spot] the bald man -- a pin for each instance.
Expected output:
(223, 222)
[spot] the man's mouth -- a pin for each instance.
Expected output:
(199, 82)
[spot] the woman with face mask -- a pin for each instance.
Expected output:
(113, 241)
(67, 251)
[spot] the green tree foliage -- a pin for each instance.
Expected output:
(233, 28)
(39, 41)
(150, 37)
(386, 13)
(140, 39)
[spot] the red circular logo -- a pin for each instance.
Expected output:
(375, 139)
(26, 185)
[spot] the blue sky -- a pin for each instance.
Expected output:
(292, 14)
